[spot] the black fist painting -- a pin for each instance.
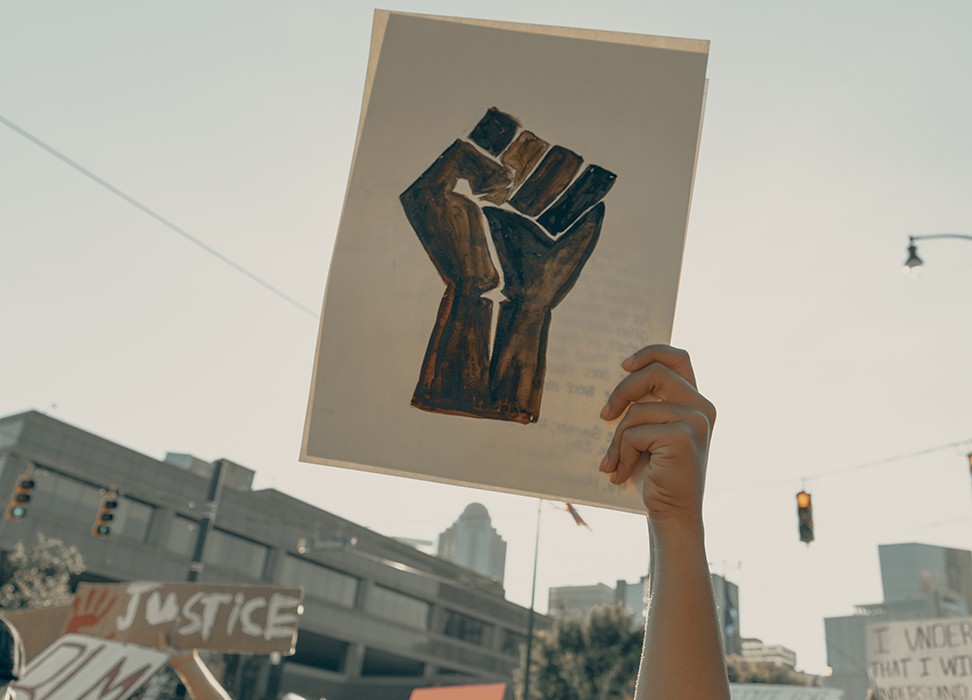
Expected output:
(508, 187)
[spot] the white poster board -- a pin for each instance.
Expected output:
(513, 228)
(78, 667)
(767, 691)
(921, 659)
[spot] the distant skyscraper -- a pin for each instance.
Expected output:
(915, 571)
(755, 650)
(727, 603)
(573, 601)
(473, 542)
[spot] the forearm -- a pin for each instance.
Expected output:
(197, 678)
(683, 656)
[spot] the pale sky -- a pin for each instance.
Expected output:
(832, 131)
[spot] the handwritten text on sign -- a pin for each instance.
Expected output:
(77, 667)
(218, 617)
(921, 659)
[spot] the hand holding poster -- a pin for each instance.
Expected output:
(512, 230)
(921, 659)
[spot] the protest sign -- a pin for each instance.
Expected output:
(79, 667)
(39, 627)
(766, 691)
(513, 228)
(921, 659)
(491, 691)
(217, 617)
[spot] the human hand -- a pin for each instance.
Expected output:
(89, 610)
(544, 225)
(192, 671)
(665, 431)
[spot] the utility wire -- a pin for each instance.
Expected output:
(842, 470)
(888, 460)
(155, 215)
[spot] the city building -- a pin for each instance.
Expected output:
(473, 542)
(919, 581)
(727, 604)
(578, 600)
(944, 577)
(573, 601)
(753, 649)
(634, 597)
(380, 617)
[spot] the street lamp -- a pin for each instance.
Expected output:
(913, 260)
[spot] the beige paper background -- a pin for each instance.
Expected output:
(628, 103)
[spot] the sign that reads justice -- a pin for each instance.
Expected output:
(252, 619)
(921, 659)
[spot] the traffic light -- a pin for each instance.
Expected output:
(17, 508)
(805, 516)
(106, 513)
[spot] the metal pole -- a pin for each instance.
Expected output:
(533, 596)
(209, 515)
(969, 456)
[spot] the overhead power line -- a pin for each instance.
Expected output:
(888, 460)
(749, 486)
(155, 215)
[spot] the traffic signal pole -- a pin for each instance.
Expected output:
(209, 516)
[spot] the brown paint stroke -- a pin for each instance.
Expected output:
(523, 155)
(450, 226)
(539, 272)
(587, 190)
(494, 131)
(546, 183)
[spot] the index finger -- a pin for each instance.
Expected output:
(675, 359)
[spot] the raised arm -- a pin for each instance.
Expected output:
(196, 677)
(665, 433)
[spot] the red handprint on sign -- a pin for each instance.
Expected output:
(89, 610)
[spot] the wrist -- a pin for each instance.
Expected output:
(677, 533)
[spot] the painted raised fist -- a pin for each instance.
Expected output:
(504, 212)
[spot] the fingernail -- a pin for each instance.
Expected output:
(615, 476)
(626, 363)
(604, 464)
(606, 411)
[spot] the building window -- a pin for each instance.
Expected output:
(466, 628)
(236, 553)
(319, 581)
(397, 607)
(512, 643)
(182, 536)
(381, 663)
(10, 433)
(132, 519)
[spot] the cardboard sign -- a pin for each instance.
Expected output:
(921, 658)
(39, 627)
(79, 667)
(765, 691)
(247, 619)
(513, 229)
(491, 691)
